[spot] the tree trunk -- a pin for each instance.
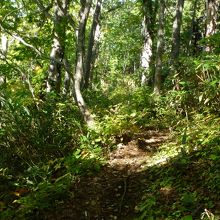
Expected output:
(176, 31)
(190, 38)
(160, 47)
(80, 52)
(4, 46)
(147, 32)
(93, 43)
(176, 40)
(211, 19)
(68, 78)
(58, 46)
(3, 55)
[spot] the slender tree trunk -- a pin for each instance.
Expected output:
(68, 78)
(80, 52)
(58, 46)
(211, 19)
(4, 46)
(160, 47)
(175, 50)
(189, 43)
(147, 31)
(93, 43)
(3, 55)
(176, 31)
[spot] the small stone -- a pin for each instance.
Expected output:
(119, 187)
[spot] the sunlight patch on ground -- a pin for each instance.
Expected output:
(142, 152)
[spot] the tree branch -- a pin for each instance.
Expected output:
(21, 40)
(25, 43)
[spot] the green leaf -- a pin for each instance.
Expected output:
(98, 140)
(214, 157)
(133, 114)
(187, 217)
(188, 199)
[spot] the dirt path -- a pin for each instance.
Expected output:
(115, 192)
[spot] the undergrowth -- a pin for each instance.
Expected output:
(187, 185)
(48, 149)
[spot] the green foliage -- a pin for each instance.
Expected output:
(44, 146)
(44, 186)
(199, 83)
(39, 188)
(187, 186)
(204, 132)
(32, 127)
(125, 116)
(37, 138)
(212, 42)
(148, 207)
(45, 195)
(187, 217)
(121, 27)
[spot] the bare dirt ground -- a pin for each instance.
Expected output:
(117, 189)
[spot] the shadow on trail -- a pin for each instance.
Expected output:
(184, 185)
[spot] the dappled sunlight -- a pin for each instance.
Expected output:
(135, 155)
(115, 192)
(109, 110)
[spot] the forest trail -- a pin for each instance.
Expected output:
(116, 190)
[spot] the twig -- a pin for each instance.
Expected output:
(20, 39)
(123, 195)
